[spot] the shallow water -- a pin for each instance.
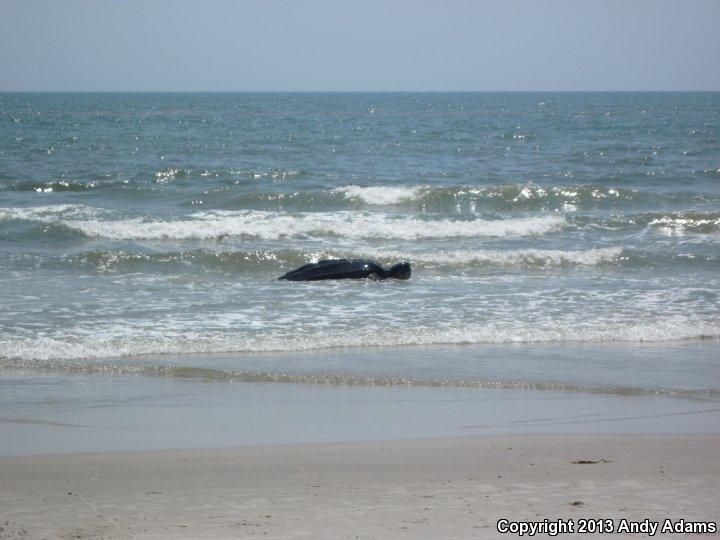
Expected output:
(559, 242)
(59, 412)
(134, 224)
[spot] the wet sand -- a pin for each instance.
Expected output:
(434, 488)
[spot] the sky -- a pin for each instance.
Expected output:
(359, 45)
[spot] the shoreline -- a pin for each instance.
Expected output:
(420, 488)
(226, 401)
(81, 413)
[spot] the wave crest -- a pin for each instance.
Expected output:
(274, 225)
(515, 257)
(122, 343)
(380, 195)
(264, 260)
(688, 222)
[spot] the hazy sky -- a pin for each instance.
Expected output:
(360, 45)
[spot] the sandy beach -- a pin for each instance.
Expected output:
(435, 488)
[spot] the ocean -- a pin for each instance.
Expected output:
(562, 244)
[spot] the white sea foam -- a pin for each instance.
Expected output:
(515, 257)
(134, 342)
(380, 195)
(679, 225)
(50, 213)
(273, 225)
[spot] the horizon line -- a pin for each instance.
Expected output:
(105, 91)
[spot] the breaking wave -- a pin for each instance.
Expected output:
(517, 197)
(241, 188)
(274, 225)
(380, 195)
(238, 261)
(128, 342)
(515, 257)
(680, 223)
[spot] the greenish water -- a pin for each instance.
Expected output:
(565, 252)
(154, 224)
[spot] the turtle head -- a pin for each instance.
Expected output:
(399, 271)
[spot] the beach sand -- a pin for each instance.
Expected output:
(434, 488)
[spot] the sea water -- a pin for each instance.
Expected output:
(560, 242)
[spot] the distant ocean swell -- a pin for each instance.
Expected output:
(506, 197)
